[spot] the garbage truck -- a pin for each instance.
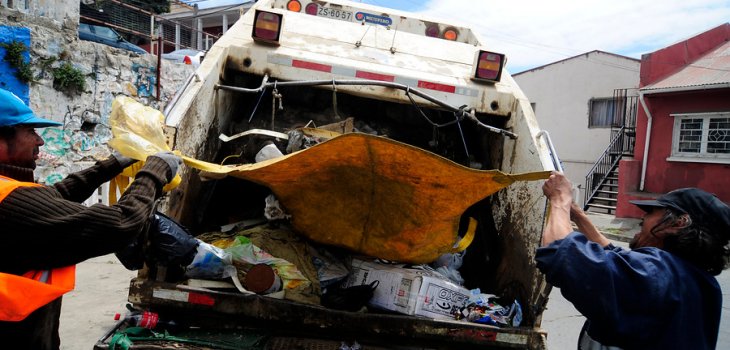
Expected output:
(321, 78)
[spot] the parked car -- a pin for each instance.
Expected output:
(186, 56)
(107, 36)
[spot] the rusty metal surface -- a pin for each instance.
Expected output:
(712, 70)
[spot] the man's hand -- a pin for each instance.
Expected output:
(558, 190)
(122, 160)
(173, 161)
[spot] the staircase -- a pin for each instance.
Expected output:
(602, 180)
(606, 195)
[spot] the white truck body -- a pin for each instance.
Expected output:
(351, 59)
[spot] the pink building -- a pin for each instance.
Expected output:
(683, 122)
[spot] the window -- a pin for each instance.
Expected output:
(601, 112)
(106, 33)
(701, 137)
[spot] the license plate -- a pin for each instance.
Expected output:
(329, 12)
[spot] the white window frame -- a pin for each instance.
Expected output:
(702, 156)
(611, 107)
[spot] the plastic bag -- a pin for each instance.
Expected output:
(449, 264)
(210, 262)
(169, 244)
(137, 129)
(138, 132)
(242, 249)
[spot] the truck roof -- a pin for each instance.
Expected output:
(368, 42)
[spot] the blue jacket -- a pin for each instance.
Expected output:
(635, 299)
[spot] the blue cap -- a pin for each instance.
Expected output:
(13, 111)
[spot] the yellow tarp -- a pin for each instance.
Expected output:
(377, 196)
(367, 193)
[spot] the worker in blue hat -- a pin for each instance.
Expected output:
(46, 230)
(661, 294)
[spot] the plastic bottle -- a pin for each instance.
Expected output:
(147, 319)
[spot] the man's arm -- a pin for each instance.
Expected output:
(585, 226)
(44, 230)
(557, 190)
(78, 186)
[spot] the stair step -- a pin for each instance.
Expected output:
(609, 185)
(611, 177)
(607, 192)
(607, 199)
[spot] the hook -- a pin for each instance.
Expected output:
(334, 99)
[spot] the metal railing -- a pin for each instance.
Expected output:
(147, 27)
(606, 163)
(621, 143)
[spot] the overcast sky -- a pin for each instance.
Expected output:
(536, 32)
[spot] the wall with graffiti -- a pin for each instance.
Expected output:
(108, 72)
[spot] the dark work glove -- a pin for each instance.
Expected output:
(173, 161)
(122, 160)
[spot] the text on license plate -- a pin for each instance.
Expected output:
(334, 13)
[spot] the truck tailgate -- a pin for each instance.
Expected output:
(207, 308)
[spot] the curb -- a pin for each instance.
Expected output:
(617, 237)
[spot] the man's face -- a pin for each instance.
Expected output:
(22, 149)
(645, 238)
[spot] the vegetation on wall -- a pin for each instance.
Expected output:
(68, 79)
(14, 56)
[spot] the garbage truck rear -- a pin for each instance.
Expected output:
(355, 69)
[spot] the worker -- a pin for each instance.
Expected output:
(661, 294)
(46, 230)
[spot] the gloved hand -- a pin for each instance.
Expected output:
(122, 160)
(173, 161)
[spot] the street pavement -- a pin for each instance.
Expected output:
(102, 284)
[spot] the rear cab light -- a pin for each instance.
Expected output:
(267, 27)
(488, 66)
(294, 6)
(450, 34)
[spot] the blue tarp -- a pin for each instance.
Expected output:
(8, 81)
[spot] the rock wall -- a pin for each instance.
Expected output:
(108, 72)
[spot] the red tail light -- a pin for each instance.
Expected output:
(267, 26)
(432, 30)
(488, 66)
(311, 9)
(187, 60)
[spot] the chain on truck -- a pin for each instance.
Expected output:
(338, 67)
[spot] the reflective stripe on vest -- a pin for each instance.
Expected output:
(21, 295)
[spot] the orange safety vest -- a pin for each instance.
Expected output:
(21, 295)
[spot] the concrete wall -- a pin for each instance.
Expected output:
(561, 93)
(56, 11)
(108, 72)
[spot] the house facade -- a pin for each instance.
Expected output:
(683, 124)
(206, 25)
(574, 100)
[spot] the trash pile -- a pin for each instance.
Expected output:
(271, 259)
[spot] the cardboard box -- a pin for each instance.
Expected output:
(409, 291)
